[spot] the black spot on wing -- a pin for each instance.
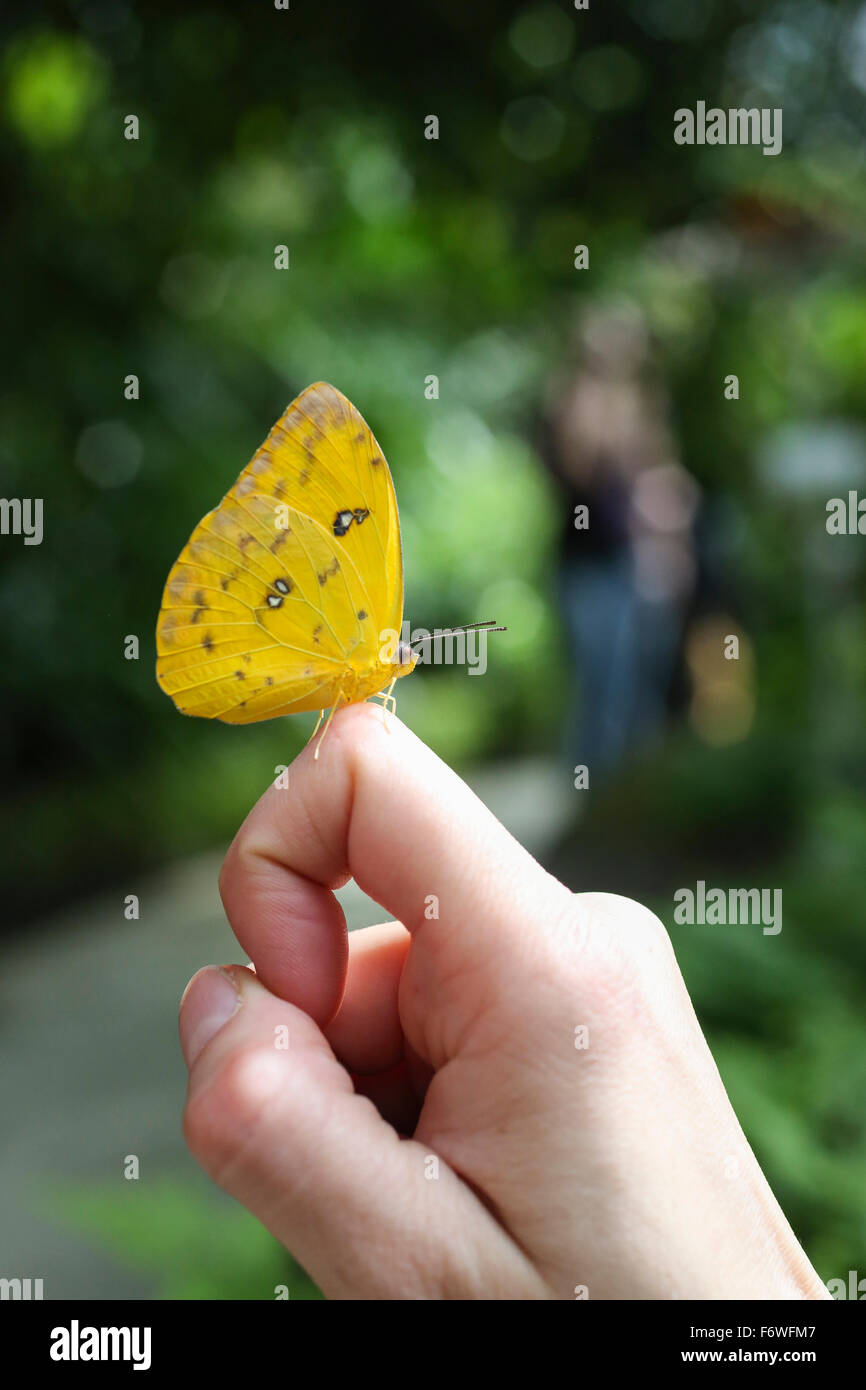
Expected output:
(344, 519)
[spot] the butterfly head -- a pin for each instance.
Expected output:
(405, 659)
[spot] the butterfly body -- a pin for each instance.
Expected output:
(288, 596)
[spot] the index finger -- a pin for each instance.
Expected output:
(380, 807)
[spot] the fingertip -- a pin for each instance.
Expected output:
(361, 730)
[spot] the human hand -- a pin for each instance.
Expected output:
(449, 1042)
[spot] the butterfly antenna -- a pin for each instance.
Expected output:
(488, 626)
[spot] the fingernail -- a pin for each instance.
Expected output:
(209, 1000)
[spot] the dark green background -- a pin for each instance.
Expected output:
(411, 257)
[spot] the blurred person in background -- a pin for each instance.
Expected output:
(629, 551)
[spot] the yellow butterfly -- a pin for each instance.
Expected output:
(289, 595)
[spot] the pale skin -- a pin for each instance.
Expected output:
(617, 1168)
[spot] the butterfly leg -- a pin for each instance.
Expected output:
(335, 706)
(318, 722)
(388, 699)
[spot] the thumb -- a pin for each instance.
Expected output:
(273, 1118)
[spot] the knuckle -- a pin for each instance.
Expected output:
(223, 1122)
(617, 944)
(624, 923)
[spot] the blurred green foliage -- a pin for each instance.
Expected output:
(454, 257)
(190, 1246)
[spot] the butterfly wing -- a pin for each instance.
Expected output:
(281, 593)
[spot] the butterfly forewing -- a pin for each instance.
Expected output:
(332, 456)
